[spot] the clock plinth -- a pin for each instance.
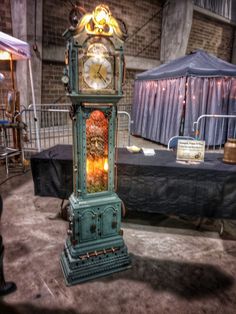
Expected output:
(77, 272)
(95, 246)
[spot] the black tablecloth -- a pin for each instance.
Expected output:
(152, 184)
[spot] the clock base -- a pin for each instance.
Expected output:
(78, 270)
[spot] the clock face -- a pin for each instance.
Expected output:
(98, 67)
(97, 72)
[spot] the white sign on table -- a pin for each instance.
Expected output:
(190, 150)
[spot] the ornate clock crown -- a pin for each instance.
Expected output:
(101, 22)
(95, 56)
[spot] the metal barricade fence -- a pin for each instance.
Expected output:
(8, 134)
(123, 129)
(215, 130)
(55, 126)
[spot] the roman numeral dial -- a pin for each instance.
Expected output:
(97, 72)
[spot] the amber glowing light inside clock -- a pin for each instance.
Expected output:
(106, 165)
(97, 152)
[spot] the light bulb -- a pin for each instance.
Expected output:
(105, 165)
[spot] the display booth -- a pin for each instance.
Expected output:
(169, 98)
(14, 49)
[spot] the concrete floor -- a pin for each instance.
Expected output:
(175, 268)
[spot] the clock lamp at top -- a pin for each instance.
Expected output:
(94, 57)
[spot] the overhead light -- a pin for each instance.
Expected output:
(101, 15)
(2, 77)
(4, 55)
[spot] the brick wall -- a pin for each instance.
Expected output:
(211, 35)
(135, 14)
(52, 87)
(5, 17)
(55, 22)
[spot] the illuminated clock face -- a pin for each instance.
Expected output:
(97, 72)
(97, 49)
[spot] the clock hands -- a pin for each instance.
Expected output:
(100, 75)
(97, 73)
(99, 68)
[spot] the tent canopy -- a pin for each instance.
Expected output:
(168, 99)
(17, 48)
(198, 63)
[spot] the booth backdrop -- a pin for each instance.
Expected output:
(20, 50)
(169, 98)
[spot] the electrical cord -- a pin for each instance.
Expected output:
(16, 175)
(166, 3)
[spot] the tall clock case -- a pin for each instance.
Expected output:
(100, 66)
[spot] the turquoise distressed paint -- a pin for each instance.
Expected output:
(95, 246)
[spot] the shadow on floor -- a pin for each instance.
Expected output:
(13, 181)
(187, 280)
(182, 224)
(31, 309)
(162, 220)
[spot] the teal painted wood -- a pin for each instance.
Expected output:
(95, 224)
(78, 271)
(95, 246)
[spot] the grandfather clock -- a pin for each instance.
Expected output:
(93, 75)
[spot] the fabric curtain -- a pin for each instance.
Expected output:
(157, 108)
(232, 110)
(210, 96)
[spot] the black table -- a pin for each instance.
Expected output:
(152, 184)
